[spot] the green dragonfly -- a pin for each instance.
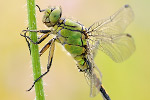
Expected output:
(82, 43)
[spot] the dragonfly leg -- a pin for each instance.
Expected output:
(40, 31)
(40, 39)
(28, 43)
(50, 44)
(46, 32)
(46, 46)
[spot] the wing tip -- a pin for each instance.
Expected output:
(126, 6)
(128, 35)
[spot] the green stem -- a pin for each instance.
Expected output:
(34, 50)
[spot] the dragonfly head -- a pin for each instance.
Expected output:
(52, 16)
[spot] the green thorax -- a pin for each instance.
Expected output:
(72, 35)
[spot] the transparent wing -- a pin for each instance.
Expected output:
(93, 75)
(116, 24)
(106, 35)
(94, 81)
(118, 46)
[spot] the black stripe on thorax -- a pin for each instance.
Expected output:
(75, 45)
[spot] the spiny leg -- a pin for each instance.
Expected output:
(28, 43)
(46, 46)
(41, 38)
(50, 44)
(40, 31)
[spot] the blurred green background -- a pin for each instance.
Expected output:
(129, 80)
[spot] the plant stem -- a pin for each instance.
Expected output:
(34, 50)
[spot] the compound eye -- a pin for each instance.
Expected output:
(55, 15)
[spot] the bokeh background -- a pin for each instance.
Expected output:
(129, 80)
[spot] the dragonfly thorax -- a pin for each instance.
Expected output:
(52, 16)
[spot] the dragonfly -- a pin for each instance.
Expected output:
(83, 43)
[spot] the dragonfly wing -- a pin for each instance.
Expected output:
(93, 75)
(117, 46)
(116, 24)
(93, 89)
(107, 36)
(94, 80)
